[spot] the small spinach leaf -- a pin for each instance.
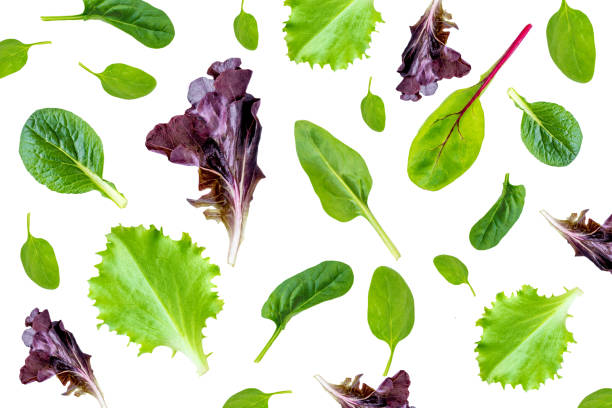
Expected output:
(390, 309)
(598, 399)
(251, 398)
(453, 270)
(496, 223)
(326, 281)
(125, 82)
(39, 262)
(245, 29)
(14, 55)
(373, 110)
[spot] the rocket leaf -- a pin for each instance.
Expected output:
(373, 110)
(453, 270)
(245, 29)
(38, 260)
(14, 55)
(251, 398)
(598, 399)
(125, 82)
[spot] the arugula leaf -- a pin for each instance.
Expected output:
(390, 309)
(549, 132)
(373, 110)
(39, 262)
(453, 270)
(524, 338)
(334, 32)
(449, 141)
(14, 55)
(251, 398)
(325, 281)
(125, 82)
(571, 43)
(245, 29)
(61, 151)
(156, 290)
(339, 176)
(496, 223)
(598, 399)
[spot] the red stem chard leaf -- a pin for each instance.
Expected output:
(55, 352)
(587, 237)
(220, 135)
(427, 60)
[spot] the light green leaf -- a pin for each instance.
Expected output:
(373, 110)
(453, 270)
(14, 55)
(39, 262)
(157, 291)
(598, 399)
(125, 82)
(524, 338)
(333, 32)
(251, 398)
(245, 29)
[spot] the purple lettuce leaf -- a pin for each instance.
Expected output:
(55, 352)
(587, 237)
(427, 59)
(392, 393)
(220, 135)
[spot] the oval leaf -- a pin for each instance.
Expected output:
(373, 111)
(14, 55)
(496, 223)
(125, 82)
(39, 262)
(390, 308)
(598, 399)
(250, 398)
(453, 270)
(245, 29)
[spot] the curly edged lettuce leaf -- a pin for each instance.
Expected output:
(220, 135)
(156, 290)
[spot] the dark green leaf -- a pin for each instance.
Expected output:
(245, 29)
(373, 110)
(250, 398)
(124, 81)
(14, 55)
(453, 270)
(39, 262)
(491, 228)
(598, 399)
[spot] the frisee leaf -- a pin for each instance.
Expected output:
(125, 82)
(373, 110)
(251, 398)
(245, 29)
(156, 290)
(14, 55)
(598, 399)
(39, 262)
(453, 270)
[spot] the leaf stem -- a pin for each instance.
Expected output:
(39, 43)
(268, 344)
(382, 234)
(62, 18)
(281, 392)
(29, 225)
(107, 189)
(370, 85)
(471, 288)
(389, 362)
(242, 6)
(87, 69)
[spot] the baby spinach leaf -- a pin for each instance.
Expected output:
(453, 270)
(61, 151)
(245, 29)
(39, 262)
(571, 43)
(125, 82)
(326, 281)
(496, 223)
(449, 141)
(373, 110)
(147, 24)
(390, 309)
(14, 55)
(549, 132)
(251, 398)
(339, 176)
(598, 399)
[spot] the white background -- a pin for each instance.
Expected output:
(288, 230)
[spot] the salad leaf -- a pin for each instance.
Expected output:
(325, 281)
(125, 82)
(571, 43)
(251, 398)
(427, 60)
(490, 229)
(587, 237)
(598, 399)
(335, 32)
(245, 29)
(220, 135)
(157, 291)
(14, 55)
(449, 141)
(373, 110)
(392, 393)
(549, 132)
(524, 338)
(453, 270)
(390, 309)
(55, 352)
(39, 262)
(339, 176)
(61, 151)
(147, 24)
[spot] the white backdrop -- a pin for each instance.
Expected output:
(288, 230)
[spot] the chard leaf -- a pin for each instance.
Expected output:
(571, 43)
(339, 176)
(14, 55)
(251, 398)
(496, 223)
(449, 141)
(61, 151)
(373, 110)
(549, 132)
(125, 82)
(325, 281)
(39, 262)
(524, 338)
(245, 29)
(334, 32)
(390, 309)
(598, 399)
(453, 270)
(156, 290)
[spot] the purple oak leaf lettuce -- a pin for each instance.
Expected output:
(220, 135)
(55, 352)
(587, 237)
(427, 59)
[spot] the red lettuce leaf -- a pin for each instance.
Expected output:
(220, 135)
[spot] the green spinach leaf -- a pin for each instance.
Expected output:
(598, 399)
(251, 398)
(326, 281)
(453, 270)
(390, 309)
(14, 55)
(496, 223)
(245, 29)
(61, 151)
(125, 82)
(39, 262)
(373, 110)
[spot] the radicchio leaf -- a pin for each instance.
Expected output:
(587, 237)
(55, 352)
(392, 393)
(220, 135)
(427, 59)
